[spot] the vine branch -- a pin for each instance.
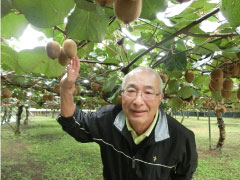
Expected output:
(181, 31)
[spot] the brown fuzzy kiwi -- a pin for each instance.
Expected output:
(238, 93)
(164, 77)
(182, 1)
(238, 55)
(70, 48)
(6, 93)
(233, 69)
(226, 94)
(53, 49)
(57, 88)
(217, 73)
(104, 2)
(50, 97)
(228, 84)
(210, 88)
(128, 10)
(63, 59)
(216, 84)
(45, 97)
(78, 88)
(95, 86)
(189, 76)
(223, 110)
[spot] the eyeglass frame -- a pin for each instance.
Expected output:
(123, 91)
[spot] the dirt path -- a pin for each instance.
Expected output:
(17, 162)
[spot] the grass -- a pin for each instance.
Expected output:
(44, 151)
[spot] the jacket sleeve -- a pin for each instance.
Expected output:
(84, 127)
(185, 169)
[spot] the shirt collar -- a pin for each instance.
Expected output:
(161, 129)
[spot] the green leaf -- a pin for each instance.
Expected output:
(185, 92)
(9, 59)
(110, 83)
(82, 4)
(151, 7)
(173, 86)
(201, 80)
(231, 10)
(176, 62)
(87, 25)
(37, 61)
(6, 6)
(42, 13)
(175, 103)
(13, 25)
(115, 96)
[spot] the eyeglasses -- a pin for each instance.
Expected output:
(146, 95)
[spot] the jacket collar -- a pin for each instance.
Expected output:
(161, 130)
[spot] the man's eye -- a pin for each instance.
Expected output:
(148, 92)
(131, 91)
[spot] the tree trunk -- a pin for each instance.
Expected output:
(4, 117)
(53, 113)
(182, 112)
(222, 132)
(197, 115)
(19, 113)
(9, 114)
(27, 115)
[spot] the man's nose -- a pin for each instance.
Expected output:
(139, 98)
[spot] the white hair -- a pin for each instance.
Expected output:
(145, 69)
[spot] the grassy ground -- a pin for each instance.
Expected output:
(44, 151)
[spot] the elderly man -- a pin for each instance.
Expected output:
(138, 141)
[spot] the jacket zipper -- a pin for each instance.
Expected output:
(133, 162)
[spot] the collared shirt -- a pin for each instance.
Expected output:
(138, 139)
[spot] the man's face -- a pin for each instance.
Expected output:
(141, 110)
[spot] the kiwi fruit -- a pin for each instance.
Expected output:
(228, 84)
(78, 88)
(70, 48)
(128, 10)
(217, 73)
(238, 55)
(50, 97)
(182, 1)
(189, 76)
(233, 69)
(6, 93)
(226, 94)
(104, 2)
(223, 110)
(53, 49)
(57, 88)
(238, 93)
(210, 88)
(164, 77)
(216, 84)
(96, 86)
(63, 59)
(45, 97)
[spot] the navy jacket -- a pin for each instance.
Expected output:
(169, 153)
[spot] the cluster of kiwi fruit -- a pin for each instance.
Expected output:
(64, 53)
(209, 104)
(216, 80)
(6, 93)
(96, 86)
(126, 10)
(163, 76)
(220, 110)
(48, 97)
(189, 76)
